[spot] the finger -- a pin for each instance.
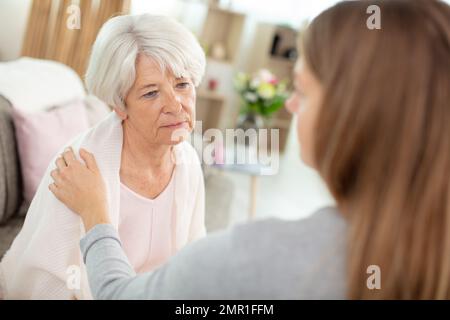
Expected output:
(89, 159)
(68, 156)
(60, 163)
(57, 192)
(54, 189)
(56, 177)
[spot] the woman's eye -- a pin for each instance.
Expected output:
(183, 85)
(151, 94)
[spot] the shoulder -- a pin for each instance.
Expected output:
(187, 157)
(319, 226)
(269, 259)
(272, 236)
(104, 132)
(188, 151)
(201, 270)
(301, 259)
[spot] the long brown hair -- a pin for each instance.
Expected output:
(382, 140)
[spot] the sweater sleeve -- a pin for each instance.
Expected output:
(266, 259)
(193, 273)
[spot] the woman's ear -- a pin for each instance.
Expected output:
(121, 113)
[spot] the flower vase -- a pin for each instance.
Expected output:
(250, 120)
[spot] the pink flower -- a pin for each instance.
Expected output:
(265, 75)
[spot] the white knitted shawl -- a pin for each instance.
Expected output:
(45, 262)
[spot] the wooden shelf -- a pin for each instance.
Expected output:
(211, 95)
(281, 61)
(222, 27)
(209, 111)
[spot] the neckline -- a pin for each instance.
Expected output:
(150, 200)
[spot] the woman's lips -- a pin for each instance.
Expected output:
(176, 125)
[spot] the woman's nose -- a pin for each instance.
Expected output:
(292, 104)
(172, 103)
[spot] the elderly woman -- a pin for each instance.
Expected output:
(146, 68)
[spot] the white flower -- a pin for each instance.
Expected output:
(240, 80)
(250, 97)
(254, 83)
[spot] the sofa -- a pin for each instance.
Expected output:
(36, 85)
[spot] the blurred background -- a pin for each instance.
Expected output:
(44, 50)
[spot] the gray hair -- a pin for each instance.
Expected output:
(112, 65)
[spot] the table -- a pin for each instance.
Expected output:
(254, 171)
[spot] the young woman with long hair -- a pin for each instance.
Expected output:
(373, 112)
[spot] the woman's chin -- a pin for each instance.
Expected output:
(179, 134)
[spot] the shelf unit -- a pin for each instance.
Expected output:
(209, 109)
(222, 28)
(271, 57)
(225, 28)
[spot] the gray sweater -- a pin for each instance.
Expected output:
(267, 259)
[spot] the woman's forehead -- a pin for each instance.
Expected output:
(149, 70)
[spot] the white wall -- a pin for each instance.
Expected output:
(13, 21)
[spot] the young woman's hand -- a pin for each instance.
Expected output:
(81, 187)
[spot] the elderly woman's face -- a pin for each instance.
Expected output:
(159, 106)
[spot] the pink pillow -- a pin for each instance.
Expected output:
(41, 135)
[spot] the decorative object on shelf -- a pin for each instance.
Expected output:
(218, 51)
(283, 44)
(212, 84)
(290, 54)
(223, 4)
(214, 3)
(262, 94)
(275, 43)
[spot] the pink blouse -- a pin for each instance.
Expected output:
(146, 227)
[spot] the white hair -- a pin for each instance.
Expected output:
(112, 65)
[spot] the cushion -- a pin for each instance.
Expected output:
(10, 178)
(40, 135)
(36, 84)
(96, 109)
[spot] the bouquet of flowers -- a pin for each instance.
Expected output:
(261, 93)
